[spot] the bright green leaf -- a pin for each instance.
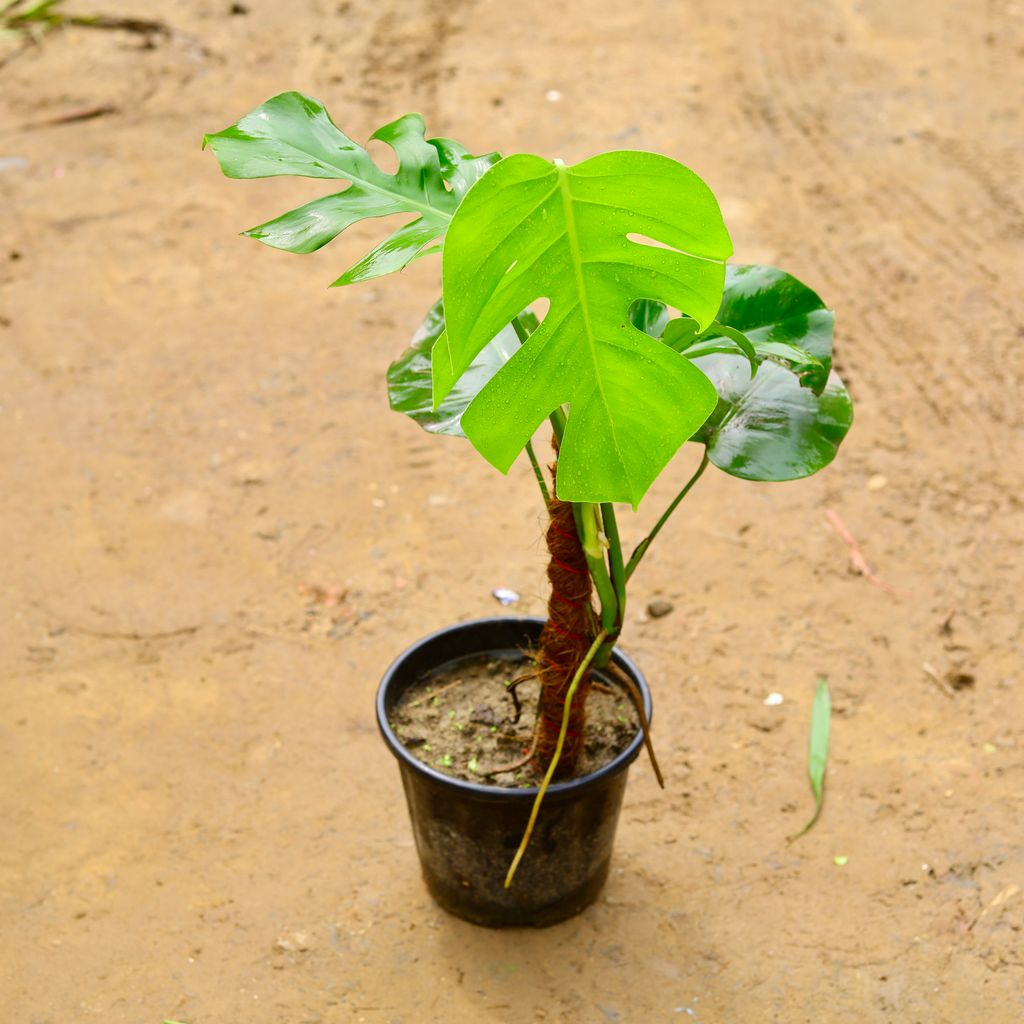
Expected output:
(581, 237)
(293, 134)
(817, 751)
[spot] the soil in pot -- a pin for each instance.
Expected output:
(473, 715)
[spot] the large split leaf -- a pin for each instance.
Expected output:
(293, 134)
(581, 237)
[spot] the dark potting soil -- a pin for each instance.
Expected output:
(461, 719)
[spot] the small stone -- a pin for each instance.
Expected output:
(659, 608)
(188, 507)
(552, 95)
(960, 680)
(877, 482)
(293, 942)
(250, 473)
(773, 700)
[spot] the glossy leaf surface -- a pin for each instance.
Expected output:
(409, 378)
(580, 237)
(681, 335)
(769, 427)
(772, 307)
(772, 427)
(649, 316)
(293, 134)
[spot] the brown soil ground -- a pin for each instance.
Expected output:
(217, 536)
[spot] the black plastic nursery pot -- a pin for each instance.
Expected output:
(467, 833)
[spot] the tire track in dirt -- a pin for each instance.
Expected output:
(406, 52)
(916, 247)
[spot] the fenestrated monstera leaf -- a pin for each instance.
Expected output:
(293, 134)
(771, 426)
(409, 378)
(582, 238)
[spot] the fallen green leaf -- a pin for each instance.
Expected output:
(817, 751)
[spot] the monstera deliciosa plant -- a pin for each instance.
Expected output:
(649, 340)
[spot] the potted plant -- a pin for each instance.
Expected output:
(613, 245)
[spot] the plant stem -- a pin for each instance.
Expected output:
(642, 547)
(557, 419)
(618, 583)
(618, 571)
(544, 492)
(587, 519)
(580, 672)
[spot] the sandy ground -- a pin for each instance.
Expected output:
(217, 536)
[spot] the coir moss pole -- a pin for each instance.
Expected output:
(565, 639)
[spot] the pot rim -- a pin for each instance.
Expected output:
(556, 789)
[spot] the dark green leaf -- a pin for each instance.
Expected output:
(649, 316)
(293, 134)
(817, 749)
(409, 378)
(811, 372)
(680, 333)
(717, 338)
(772, 427)
(769, 427)
(770, 306)
(579, 237)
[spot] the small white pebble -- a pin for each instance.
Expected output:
(552, 95)
(773, 700)
(877, 482)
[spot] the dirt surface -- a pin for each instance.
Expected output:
(465, 720)
(217, 536)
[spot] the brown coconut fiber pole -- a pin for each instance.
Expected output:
(565, 639)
